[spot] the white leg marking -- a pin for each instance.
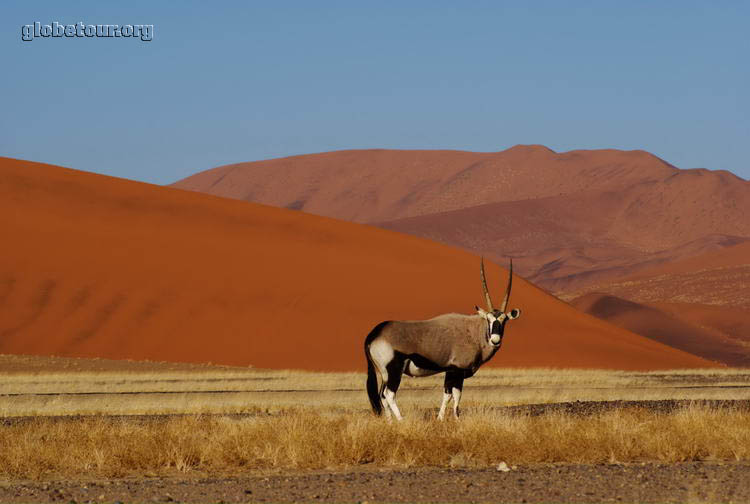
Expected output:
(456, 400)
(446, 399)
(390, 396)
(383, 399)
(386, 409)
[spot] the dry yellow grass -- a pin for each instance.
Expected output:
(322, 420)
(105, 447)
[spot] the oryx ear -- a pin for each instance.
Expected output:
(480, 311)
(514, 313)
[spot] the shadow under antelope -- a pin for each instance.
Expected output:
(453, 343)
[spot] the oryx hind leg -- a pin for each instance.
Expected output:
(384, 401)
(389, 366)
(394, 370)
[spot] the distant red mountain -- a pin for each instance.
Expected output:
(569, 219)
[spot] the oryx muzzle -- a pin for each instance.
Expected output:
(453, 343)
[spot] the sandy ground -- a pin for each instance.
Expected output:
(685, 482)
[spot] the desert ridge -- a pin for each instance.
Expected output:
(378, 185)
(96, 266)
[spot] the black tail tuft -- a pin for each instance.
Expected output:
(372, 386)
(372, 376)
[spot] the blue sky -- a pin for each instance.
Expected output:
(227, 82)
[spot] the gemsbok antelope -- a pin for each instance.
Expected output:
(452, 343)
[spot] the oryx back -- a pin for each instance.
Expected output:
(442, 342)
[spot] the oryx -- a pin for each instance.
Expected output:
(453, 343)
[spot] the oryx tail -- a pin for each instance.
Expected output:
(373, 391)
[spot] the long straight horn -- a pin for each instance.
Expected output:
(484, 287)
(507, 291)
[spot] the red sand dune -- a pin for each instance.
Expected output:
(99, 266)
(730, 321)
(710, 292)
(667, 328)
(570, 219)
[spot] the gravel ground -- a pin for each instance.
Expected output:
(583, 408)
(684, 482)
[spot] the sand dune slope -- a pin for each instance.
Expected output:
(709, 291)
(99, 266)
(730, 321)
(668, 328)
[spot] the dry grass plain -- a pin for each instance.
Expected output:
(78, 418)
(49, 386)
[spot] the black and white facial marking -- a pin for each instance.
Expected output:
(496, 323)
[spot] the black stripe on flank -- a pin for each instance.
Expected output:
(423, 362)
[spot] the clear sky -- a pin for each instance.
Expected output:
(224, 82)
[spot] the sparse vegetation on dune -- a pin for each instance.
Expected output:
(99, 446)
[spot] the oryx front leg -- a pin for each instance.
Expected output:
(454, 384)
(456, 400)
(446, 399)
